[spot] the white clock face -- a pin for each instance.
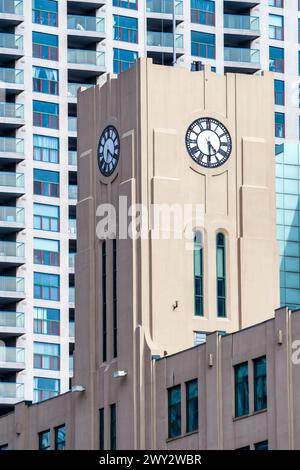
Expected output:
(108, 150)
(208, 142)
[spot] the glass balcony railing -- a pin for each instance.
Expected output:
(72, 260)
(250, 23)
(11, 41)
(11, 390)
(14, 7)
(15, 76)
(12, 110)
(72, 226)
(236, 54)
(72, 123)
(86, 57)
(72, 157)
(11, 145)
(11, 284)
(164, 6)
(71, 294)
(71, 329)
(11, 179)
(73, 191)
(74, 87)
(156, 38)
(86, 23)
(12, 214)
(71, 363)
(16, 249)
(10, 354)
(12, 319)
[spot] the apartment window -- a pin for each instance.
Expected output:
(199, 338)
(46, 217)
(203, 12)
(263, 445)
(45, 80)
(276, 3)
(113, 427)
(276, 30)
(221, 275)
(44, 46)
(198, 274)
(279, 92)
(45, 149)
(46, 251)
(104, 313)
(125, 29)
(46, 183)
(46, 321)
(174, 411)
(45, 114)
(124, 59)
(241, 389)
(101, 429)
(44, 440)
(45, 388)
(46, 356)
(60, 437)
(129, 4)
(203, 44)
(276, 59)
(46, 286)
(191, 389)
(280, 125)
(115, 319)
(45, 12)
(260, 383)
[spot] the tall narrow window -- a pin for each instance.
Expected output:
(221, 276)
(115, 320)
(260, 383)
(104, 319)
(174, 411)
(241, 389)
(113, 427)
(101, 429)
(198, 274)
(191, 405)
(60, 437)
(44, 440)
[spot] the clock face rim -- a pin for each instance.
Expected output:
(206, 164)
(117, 156)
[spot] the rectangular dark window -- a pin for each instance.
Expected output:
(241, 389)
(276, 59)
(260, 383)
(101, 429)
(280, 125)
(203, 12)
(104, 313)
(115, 319)
(44, 440)
(45, 114)
(113, 427)
(174, 411)
(45, 80)
(46, 183)
(46, 356)
(125, 28)
(46, 321)
(44, 46)
(279, 92)
(45, 12)
(60, 437)
(203, 44)
(46, 286)
(45, 149)
(191, 405)
(263, 445)
(45, 388)
(46, 217)
(129, 4)
(124, 59)
(46, 252)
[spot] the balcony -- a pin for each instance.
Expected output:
(86, 28)
(11, 393)
(240, 60)
(11, 359)
(11, 150)
(11, 254)
(163, 42)
(11, 324)
(12, 219)
(73, 89)
(71, 365)
(72, 157)
(11, 46)
(11, 12)
(72, 262)
(12, 80)
(164, 7)
(11, 184)
(72, 228)
(240, 28)
(73, 192)
(72, 330)
(72, 125)
(11, 289)
(71, 295)
(86, 63)
(11, 115)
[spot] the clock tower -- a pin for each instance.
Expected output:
(166, 138)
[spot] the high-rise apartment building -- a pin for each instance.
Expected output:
(48, 49)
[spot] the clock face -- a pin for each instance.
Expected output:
(108, 150)
(208, 142)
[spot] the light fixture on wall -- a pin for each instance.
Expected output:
(77, 388)
(119, 373)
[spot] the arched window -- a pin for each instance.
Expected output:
(198, 274)
(221, 275)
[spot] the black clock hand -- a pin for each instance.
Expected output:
(209, 153)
